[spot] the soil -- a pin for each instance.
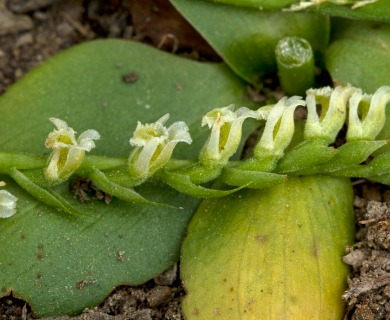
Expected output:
(31, 31)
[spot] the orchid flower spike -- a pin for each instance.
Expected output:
(333, 112)
(7, 204)
(367, 114)
(279, 128)
(154, 144)
(68, 153)
(226, 133)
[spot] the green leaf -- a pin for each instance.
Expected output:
(270, 254)
(61, 263)
(358, 53)
(246, 38)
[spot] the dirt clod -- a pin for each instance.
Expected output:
(158, 295)
(130, 77)
(369, 284)
(84, 190)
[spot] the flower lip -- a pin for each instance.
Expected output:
(219, 116)
(64, 137)
(150, 131)
(7, 204)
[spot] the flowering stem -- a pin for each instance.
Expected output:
(126, 194)
(20, 160)
(46, 196)
(274, 157)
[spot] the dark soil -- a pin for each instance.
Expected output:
(31, 31)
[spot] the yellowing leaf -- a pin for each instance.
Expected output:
(270, 254)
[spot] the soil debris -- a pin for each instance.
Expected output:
(84, 190)
(368, 295)
(11, 23)
(130, 77)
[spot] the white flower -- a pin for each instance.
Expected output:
(279, 128)
(154, 144)
(7, 204)
(226, 132)
(302, 5)
(333, 112)
(372, 110)
(68, 153)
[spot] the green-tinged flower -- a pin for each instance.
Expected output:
(367, 114)
(154, 144)
(7, 204)
(68, 153)
(302, 5)
(333, 112)
(279, 128)
(226, 133)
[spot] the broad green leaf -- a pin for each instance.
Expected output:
(60, 263)
(359, 54)
(246, 38)
(270, 254)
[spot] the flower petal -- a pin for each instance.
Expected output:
(7, 204)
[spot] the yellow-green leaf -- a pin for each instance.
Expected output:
(270, 254)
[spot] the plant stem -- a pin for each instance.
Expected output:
(295, 61)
